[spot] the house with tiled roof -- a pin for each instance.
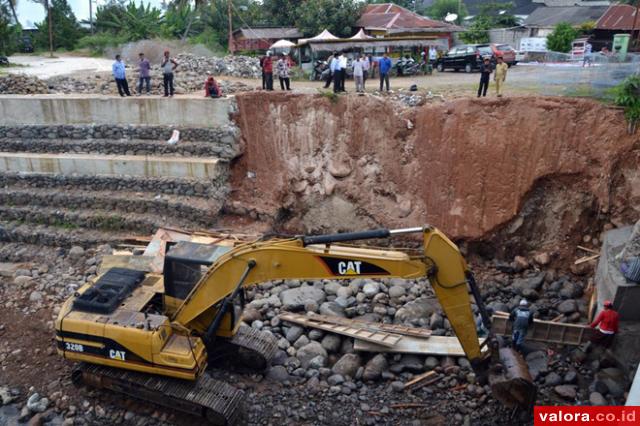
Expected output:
(390, 20)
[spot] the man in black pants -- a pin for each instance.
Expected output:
(485, 72)
(168, 66)
(120, 77)
(331, 65)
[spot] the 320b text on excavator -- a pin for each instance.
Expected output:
(152, 330)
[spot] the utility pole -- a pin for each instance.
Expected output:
(50, 29)
(635, 40)
(231, 27)
(91, 15)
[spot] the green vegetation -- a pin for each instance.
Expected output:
(66, 29)
(627, 95)
(9, 28)
(561, 38)
(441, 8)
(492, 15)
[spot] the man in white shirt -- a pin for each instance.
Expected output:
(366, 65)
(343, 71)
(358, 74)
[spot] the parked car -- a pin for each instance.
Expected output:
(521, 56)
(26, 44)
(507, 52)
(467, 57)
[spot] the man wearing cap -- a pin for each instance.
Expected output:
(606, 325)
(522, 318)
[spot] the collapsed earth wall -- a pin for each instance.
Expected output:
(474, 168)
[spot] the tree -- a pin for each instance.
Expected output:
(107, 13)
(12, 4)
(9, 31)
(313, 16)
(407, 4)
(281, 12)
(181, 20)
(133, 22)
(441, 8)
(478, 31)
(66, 30)
(561, 38)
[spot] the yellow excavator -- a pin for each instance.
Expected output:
(153, 335)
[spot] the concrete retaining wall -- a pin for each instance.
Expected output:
(111, 165)
(48, 110)
(610, 282)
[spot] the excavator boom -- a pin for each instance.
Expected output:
(131, 323)
(320, 258)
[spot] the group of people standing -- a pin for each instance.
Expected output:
(282, 68)
(499, 75)
(362, 66)
(168, 66)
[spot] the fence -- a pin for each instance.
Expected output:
(564, 74)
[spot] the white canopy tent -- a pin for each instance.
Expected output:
(360, 36)
(323, 36)
(282, 44)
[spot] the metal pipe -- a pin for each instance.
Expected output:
(346, 236)
(408, 230)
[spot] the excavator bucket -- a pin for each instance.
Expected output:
(511, 382)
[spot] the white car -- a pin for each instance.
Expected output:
(520, 56)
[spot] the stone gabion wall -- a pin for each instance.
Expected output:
(196, 213)
(215, 189)
(119, 147)
(226, 135)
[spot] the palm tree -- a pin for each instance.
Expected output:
(12, 5)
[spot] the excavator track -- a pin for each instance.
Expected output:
(216, 401)
(248, 348)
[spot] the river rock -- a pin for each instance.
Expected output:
(374, 368)
(347, 365)
(413, 311)
(295, 298)
(309, 351)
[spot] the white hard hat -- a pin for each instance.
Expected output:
(524, 302)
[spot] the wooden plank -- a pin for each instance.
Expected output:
(434, 345)
(379, 338)
(588, 250)
(419, 381)
(586, 259)
(390, 328)
(546, 331)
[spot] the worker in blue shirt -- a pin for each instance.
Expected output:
(121, 78)
(336, 71)
(384, 66)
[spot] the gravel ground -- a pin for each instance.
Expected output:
(316, 378)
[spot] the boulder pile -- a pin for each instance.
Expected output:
(230, 65)
(20, 84)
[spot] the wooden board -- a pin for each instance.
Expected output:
(390, 328)
(544, 331)
(379, 338)
(434, 345)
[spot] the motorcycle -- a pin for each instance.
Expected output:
(320, 70)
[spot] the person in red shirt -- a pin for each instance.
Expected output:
(606, 325)
(211, 88)
(267, 68)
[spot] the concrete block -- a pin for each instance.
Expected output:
(92, 109)
(610, 282)
(110, 165)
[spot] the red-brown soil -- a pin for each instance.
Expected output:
(474, 168)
